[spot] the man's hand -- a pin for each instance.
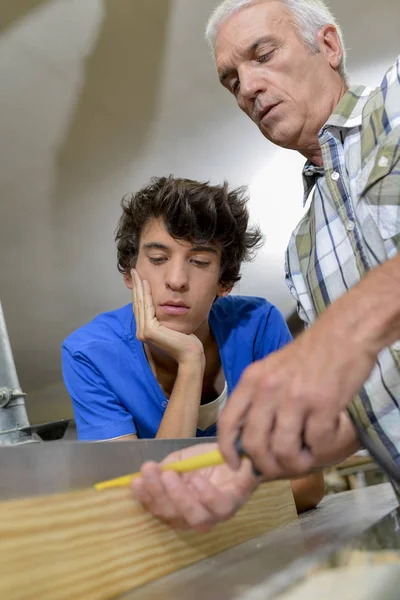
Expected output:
(289, 407)
(197, 500)
(183, 348)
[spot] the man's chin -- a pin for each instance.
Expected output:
(278, 137)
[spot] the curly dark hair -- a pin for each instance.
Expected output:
(197, 212)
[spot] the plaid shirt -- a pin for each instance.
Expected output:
(353, 225)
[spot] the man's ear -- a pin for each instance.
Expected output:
(329, 44)
(128, 280)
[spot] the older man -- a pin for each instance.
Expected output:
(337, 386)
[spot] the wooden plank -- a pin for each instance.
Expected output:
(96, 545)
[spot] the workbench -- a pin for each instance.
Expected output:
(260, 569)
(356, 526)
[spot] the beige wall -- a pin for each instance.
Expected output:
(96, 97)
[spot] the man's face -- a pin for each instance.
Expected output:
(288, 91)
(184, 278)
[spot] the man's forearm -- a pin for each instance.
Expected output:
(382, 287)
(181, 415)
(359, 325)
(371, 310)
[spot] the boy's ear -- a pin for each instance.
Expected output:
(128, 280)
(224, 290)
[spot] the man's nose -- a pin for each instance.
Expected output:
(251, 83)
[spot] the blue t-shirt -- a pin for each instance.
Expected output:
(113, 389)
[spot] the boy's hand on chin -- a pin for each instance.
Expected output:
(180, 346)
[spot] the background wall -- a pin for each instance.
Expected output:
(96, 97)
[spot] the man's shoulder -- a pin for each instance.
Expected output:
(385, 99)
(391, 80)
(106, 328)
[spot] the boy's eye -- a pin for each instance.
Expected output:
(200, 263)
(157, 260)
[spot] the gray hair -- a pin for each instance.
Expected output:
(309, 17)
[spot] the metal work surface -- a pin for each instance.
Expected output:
(263, 567)
(54, 467)
(12, 404)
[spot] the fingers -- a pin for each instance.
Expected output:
(134, 299)
(187, 501)
(346, 442)
(233, 416)
(195, 450)
(150, 491)
(255, 439)
(195, 503)
(322, 428)
(143, 306)
(197, 500)
(287, 441)
(148, 310)
(218, 505)
(261, 411)
(216, 494)
(272, 438)
(138, 304)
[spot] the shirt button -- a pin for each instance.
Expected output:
(164, 404)
(383, 161)
(350, 225)
(335, 176)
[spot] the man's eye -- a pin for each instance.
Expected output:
(265, 57)
(157, 260)
(235, 86)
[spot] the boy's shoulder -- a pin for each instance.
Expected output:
(238, 309)
(106, 328)
(253, 326)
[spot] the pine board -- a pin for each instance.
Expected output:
(97, 545)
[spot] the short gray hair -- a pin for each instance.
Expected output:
(309, 17)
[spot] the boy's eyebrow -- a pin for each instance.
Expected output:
(201, 248)
(196, 248)
(155, 245)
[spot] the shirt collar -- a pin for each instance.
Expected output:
(347, 114)
(310, 175)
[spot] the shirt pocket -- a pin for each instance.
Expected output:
(381, 191)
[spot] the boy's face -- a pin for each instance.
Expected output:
(184, 278)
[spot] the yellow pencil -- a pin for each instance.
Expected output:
(209, 459)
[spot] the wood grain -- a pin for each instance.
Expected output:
(96, 545)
